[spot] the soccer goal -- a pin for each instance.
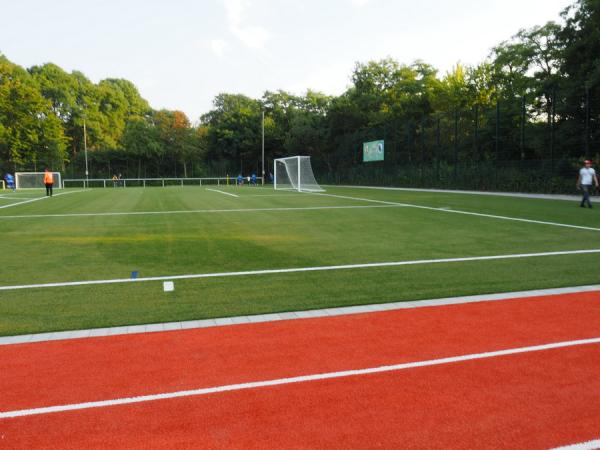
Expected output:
(295, 173)
(35, 180)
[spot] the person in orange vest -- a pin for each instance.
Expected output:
(49, 182)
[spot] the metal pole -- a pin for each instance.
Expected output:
(587, 119)
(85, 152)
(552, 112)
(263, 147)
(497, 129)
(522, 127)
(476, 136)
(438, 151)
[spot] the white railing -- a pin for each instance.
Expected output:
(151, 182)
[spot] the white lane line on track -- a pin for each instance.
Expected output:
(222, 192)
(590, 445)
(457, 211)
(297, 269)
(291, 380)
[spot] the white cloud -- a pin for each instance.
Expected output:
(331, 79)
(216, 46)
(254, 37)
(359, 3)
(235, 11)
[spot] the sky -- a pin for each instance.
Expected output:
(182, 53)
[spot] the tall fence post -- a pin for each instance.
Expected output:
(552, 113)
(522, 139)
(455, 145)
(476, 134)
(587, 119)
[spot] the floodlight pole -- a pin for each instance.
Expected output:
(263, 147)
(85, 152)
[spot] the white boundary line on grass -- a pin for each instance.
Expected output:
(23, 202)
(466, 192)
(296, 269)
(457, 211)
(195, 211)
(35, 199)
(222, 192)
(15, 197)
(292, 380)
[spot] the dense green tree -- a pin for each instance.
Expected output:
(30, 131)
(234, 131)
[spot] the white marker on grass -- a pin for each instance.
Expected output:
(168, 286)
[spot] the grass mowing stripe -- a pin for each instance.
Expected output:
(455, 211)
(296, 269)
(194, 211)
(292, 380)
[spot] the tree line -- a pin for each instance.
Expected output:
(533, 105)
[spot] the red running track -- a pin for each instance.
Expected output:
(532, 400)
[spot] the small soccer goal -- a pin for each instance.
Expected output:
(35, 180)
(295, 173)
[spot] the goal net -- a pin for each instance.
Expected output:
(35, 180)
(295, 173)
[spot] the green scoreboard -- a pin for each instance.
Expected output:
(373, 151)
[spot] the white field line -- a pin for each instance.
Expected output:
(35, 199)
(455, 191)
(16, 197)
(292, 380)
(590, 445)
(456, 211)
(296, 270)
(23, 202)
(270, 195)
(195, 211)
(222, 192)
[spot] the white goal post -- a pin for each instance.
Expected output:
(295, 173)
(35, 180)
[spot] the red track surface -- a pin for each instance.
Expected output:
(531, 400)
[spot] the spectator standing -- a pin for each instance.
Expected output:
(587, 176)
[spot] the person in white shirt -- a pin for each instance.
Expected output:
(587, 176)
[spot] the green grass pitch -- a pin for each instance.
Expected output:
(105, 234)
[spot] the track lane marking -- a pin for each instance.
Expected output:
(292, 380)
(590, 445)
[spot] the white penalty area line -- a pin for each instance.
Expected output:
(292, 380)
(457, 211)
(222, 192)
(15, 197)
(35, 199)
(23, 202)
(297, 269)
